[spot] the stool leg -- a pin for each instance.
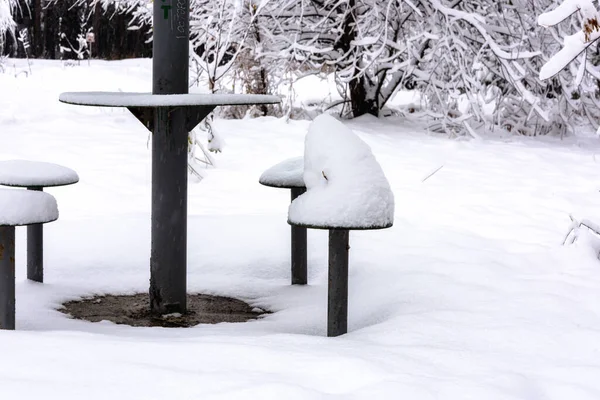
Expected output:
(337, 298)
(7, 277)
(35, 249)
(299, 259)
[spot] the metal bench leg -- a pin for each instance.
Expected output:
(337, 307)
(299, 261)
(35, 249)
(7, 277)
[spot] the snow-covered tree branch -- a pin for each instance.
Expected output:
(574, 44)
(7, 23)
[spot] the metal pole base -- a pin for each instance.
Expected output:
(35, 249)
(299, 245)
(337, 307)
(169, 213)
(7, 277)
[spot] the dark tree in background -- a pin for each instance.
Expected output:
(57, 29)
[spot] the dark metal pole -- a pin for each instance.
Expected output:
(7, 277)
(337, 307)
(299, 260)
(169, 159)
(35, 249)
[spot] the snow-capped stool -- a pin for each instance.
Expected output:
(35, 176)
(288, 175)
(346, 190)
(17, 207)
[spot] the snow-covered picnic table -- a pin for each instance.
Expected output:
(169, 117)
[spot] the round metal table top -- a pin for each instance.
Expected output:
(131, 99)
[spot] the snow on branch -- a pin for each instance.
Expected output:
(6, 19)
(574, 44)
(575, 228)
(565, 10)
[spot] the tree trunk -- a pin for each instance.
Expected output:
(38, 34)
(361, 102)
(360, 99)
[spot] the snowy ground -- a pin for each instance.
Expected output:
(470, 295)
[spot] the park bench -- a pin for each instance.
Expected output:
(288, 175)
(17, 208)
(35, 176)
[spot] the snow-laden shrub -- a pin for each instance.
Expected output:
(7, 23)
(574, 63)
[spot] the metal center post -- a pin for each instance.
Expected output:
(168, 256)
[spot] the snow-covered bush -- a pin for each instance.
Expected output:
(474, 63)
(7, 23)
(574, 68)
(458, 55)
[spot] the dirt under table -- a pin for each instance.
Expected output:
(134, 310)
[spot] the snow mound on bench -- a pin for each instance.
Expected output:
(286, 174)
(24, 207)
(346, 187)
(23, 173)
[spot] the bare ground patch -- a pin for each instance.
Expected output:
(134, 310)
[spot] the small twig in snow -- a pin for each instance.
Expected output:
(431, 174)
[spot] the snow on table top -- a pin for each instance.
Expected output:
(129, 99)
(23, 173)
(286, 174)
(346, 187)
(24, 207)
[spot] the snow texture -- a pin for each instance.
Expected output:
(23, 173)
(24, 207)
(286, 174)
(125, 99)
(470, 295)
(346, 187)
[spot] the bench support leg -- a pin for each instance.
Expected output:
(35, 249)
(299, 261)
(7, 277)
(337, 307)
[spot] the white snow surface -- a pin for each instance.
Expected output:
(128, 99)
(286, 174)
(345, 185)
(24, 207)
(470, 295)
(26, 173)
